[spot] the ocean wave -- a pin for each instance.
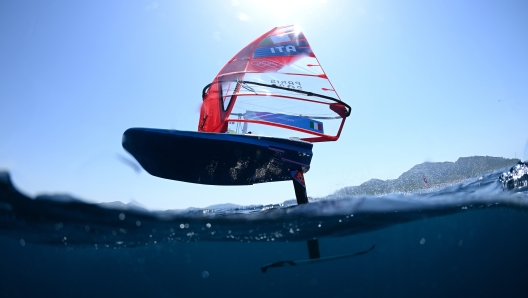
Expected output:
(67, 221)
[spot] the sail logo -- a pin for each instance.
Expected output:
(267, 64)
(287, 84)
(289, 48)
(316, 125)
(283, 49)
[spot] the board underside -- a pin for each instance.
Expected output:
(216, 158)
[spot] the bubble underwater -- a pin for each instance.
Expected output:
(464, 238)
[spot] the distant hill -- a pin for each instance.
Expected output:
(223, 206)
(436, 173)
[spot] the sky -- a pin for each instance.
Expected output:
(428, 81)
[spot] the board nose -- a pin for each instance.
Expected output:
(129, 140)
(126, 140)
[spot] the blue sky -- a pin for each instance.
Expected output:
(427, 81)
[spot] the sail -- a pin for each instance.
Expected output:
(274, 84)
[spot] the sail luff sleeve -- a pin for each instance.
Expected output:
(213, 117)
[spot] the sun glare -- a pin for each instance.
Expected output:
(278, 12)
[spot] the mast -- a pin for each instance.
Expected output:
(299, 186)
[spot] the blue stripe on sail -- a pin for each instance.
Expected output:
(295, 121)
(283, 49)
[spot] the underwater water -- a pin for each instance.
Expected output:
(467, 239)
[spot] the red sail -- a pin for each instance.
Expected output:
(274, 82)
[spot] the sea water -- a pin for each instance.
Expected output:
(467, 239)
